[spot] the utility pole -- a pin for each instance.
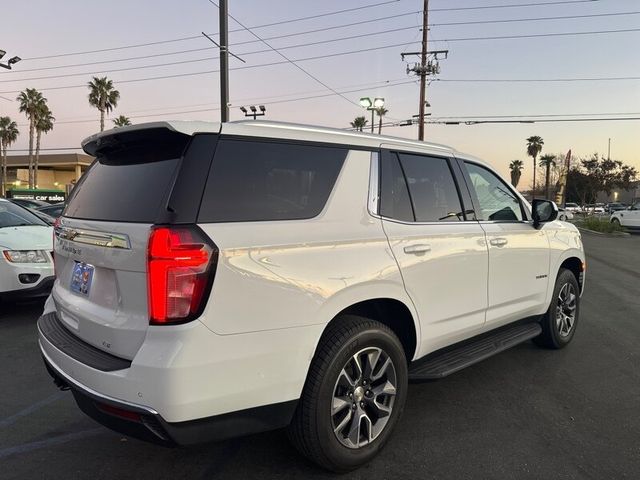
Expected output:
(224, 61)
(423, 73)
(428, 66)
(609, 150)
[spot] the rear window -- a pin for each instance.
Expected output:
(130, 178)
(261, 181)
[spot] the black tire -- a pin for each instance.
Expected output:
(554, 334)
(616, 222)
(312, 430)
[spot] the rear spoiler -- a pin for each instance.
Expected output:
(102, 142)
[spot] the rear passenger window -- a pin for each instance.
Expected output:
(394, 193)
(260, 181)
(432, 188)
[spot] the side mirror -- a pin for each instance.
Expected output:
(543, 211)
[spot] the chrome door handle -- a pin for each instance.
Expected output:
(417, 249)
(498, 242)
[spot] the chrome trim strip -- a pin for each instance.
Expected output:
(374, 184)
(86, 390)
(90, 237)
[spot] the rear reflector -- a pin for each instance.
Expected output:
(180, 265)
(119, 412)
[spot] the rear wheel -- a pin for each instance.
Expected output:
(560, 322)
(354, 394)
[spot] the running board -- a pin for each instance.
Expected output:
(445, 362)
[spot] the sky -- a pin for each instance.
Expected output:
(57, 30)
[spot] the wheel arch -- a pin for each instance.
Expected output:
(392, 312)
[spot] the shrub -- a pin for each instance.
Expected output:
(600, 225)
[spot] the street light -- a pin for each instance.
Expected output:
(366, 102)
(12, 60)
(254, 111)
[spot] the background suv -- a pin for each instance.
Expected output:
(258, 275)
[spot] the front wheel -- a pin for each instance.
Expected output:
(560, 322)
(354, 394)
(616, 222)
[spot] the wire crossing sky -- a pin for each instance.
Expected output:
(511, 59)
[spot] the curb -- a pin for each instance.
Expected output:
(614, 234)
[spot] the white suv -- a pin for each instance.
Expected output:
(629, 218)
(214, 281)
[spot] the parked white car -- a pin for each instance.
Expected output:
(629, 218)
(26, 246)
(564, 214)
(573, 207)
(255, 275)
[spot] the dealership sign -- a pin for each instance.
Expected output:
(50, 196)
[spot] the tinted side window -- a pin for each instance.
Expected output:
(497, 201)
(432, 188)
(258, 181)
(394, 193)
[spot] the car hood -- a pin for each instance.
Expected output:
(30, 237)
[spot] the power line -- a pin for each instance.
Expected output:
(292, 62)
(193, 37)
(314, 57)
(512, 5)
(539, 35)
(534, 80)
(142, 67)
(294, 20)
(362, 87)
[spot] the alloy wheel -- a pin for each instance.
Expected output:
(566, 309)
(363, 397)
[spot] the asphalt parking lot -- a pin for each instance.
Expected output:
(527, 413)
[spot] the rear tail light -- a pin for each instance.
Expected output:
(181, 264)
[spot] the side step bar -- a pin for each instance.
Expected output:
(445, 362)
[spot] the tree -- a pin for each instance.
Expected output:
(44, 124)
(534, 147)
(8, 134)
(359, 123)
(381, 111)
(547, 161)
(31, 102)
(515, 168)
(596, 174)
(121, 121)
(103, 96)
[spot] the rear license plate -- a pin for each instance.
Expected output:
(81, 278)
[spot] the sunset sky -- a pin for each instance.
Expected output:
(44, 28)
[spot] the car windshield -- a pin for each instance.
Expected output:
(12, 215)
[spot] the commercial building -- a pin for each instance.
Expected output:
(57, 171)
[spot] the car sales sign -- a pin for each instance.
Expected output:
(50, 196)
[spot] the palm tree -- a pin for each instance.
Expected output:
(121, 121)
(103, 96)
(44, 124)
(547, 161)
(381, 111)
(534, 147)
(8, 134)
(516, 171)
(31, 101)
(359, 123)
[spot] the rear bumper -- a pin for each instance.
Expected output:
(146, 424)
(187, 384)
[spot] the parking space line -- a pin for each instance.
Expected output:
(29, 410)
(28, 447)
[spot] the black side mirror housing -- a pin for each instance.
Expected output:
(543, 211)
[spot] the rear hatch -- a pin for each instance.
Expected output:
(140, 178)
